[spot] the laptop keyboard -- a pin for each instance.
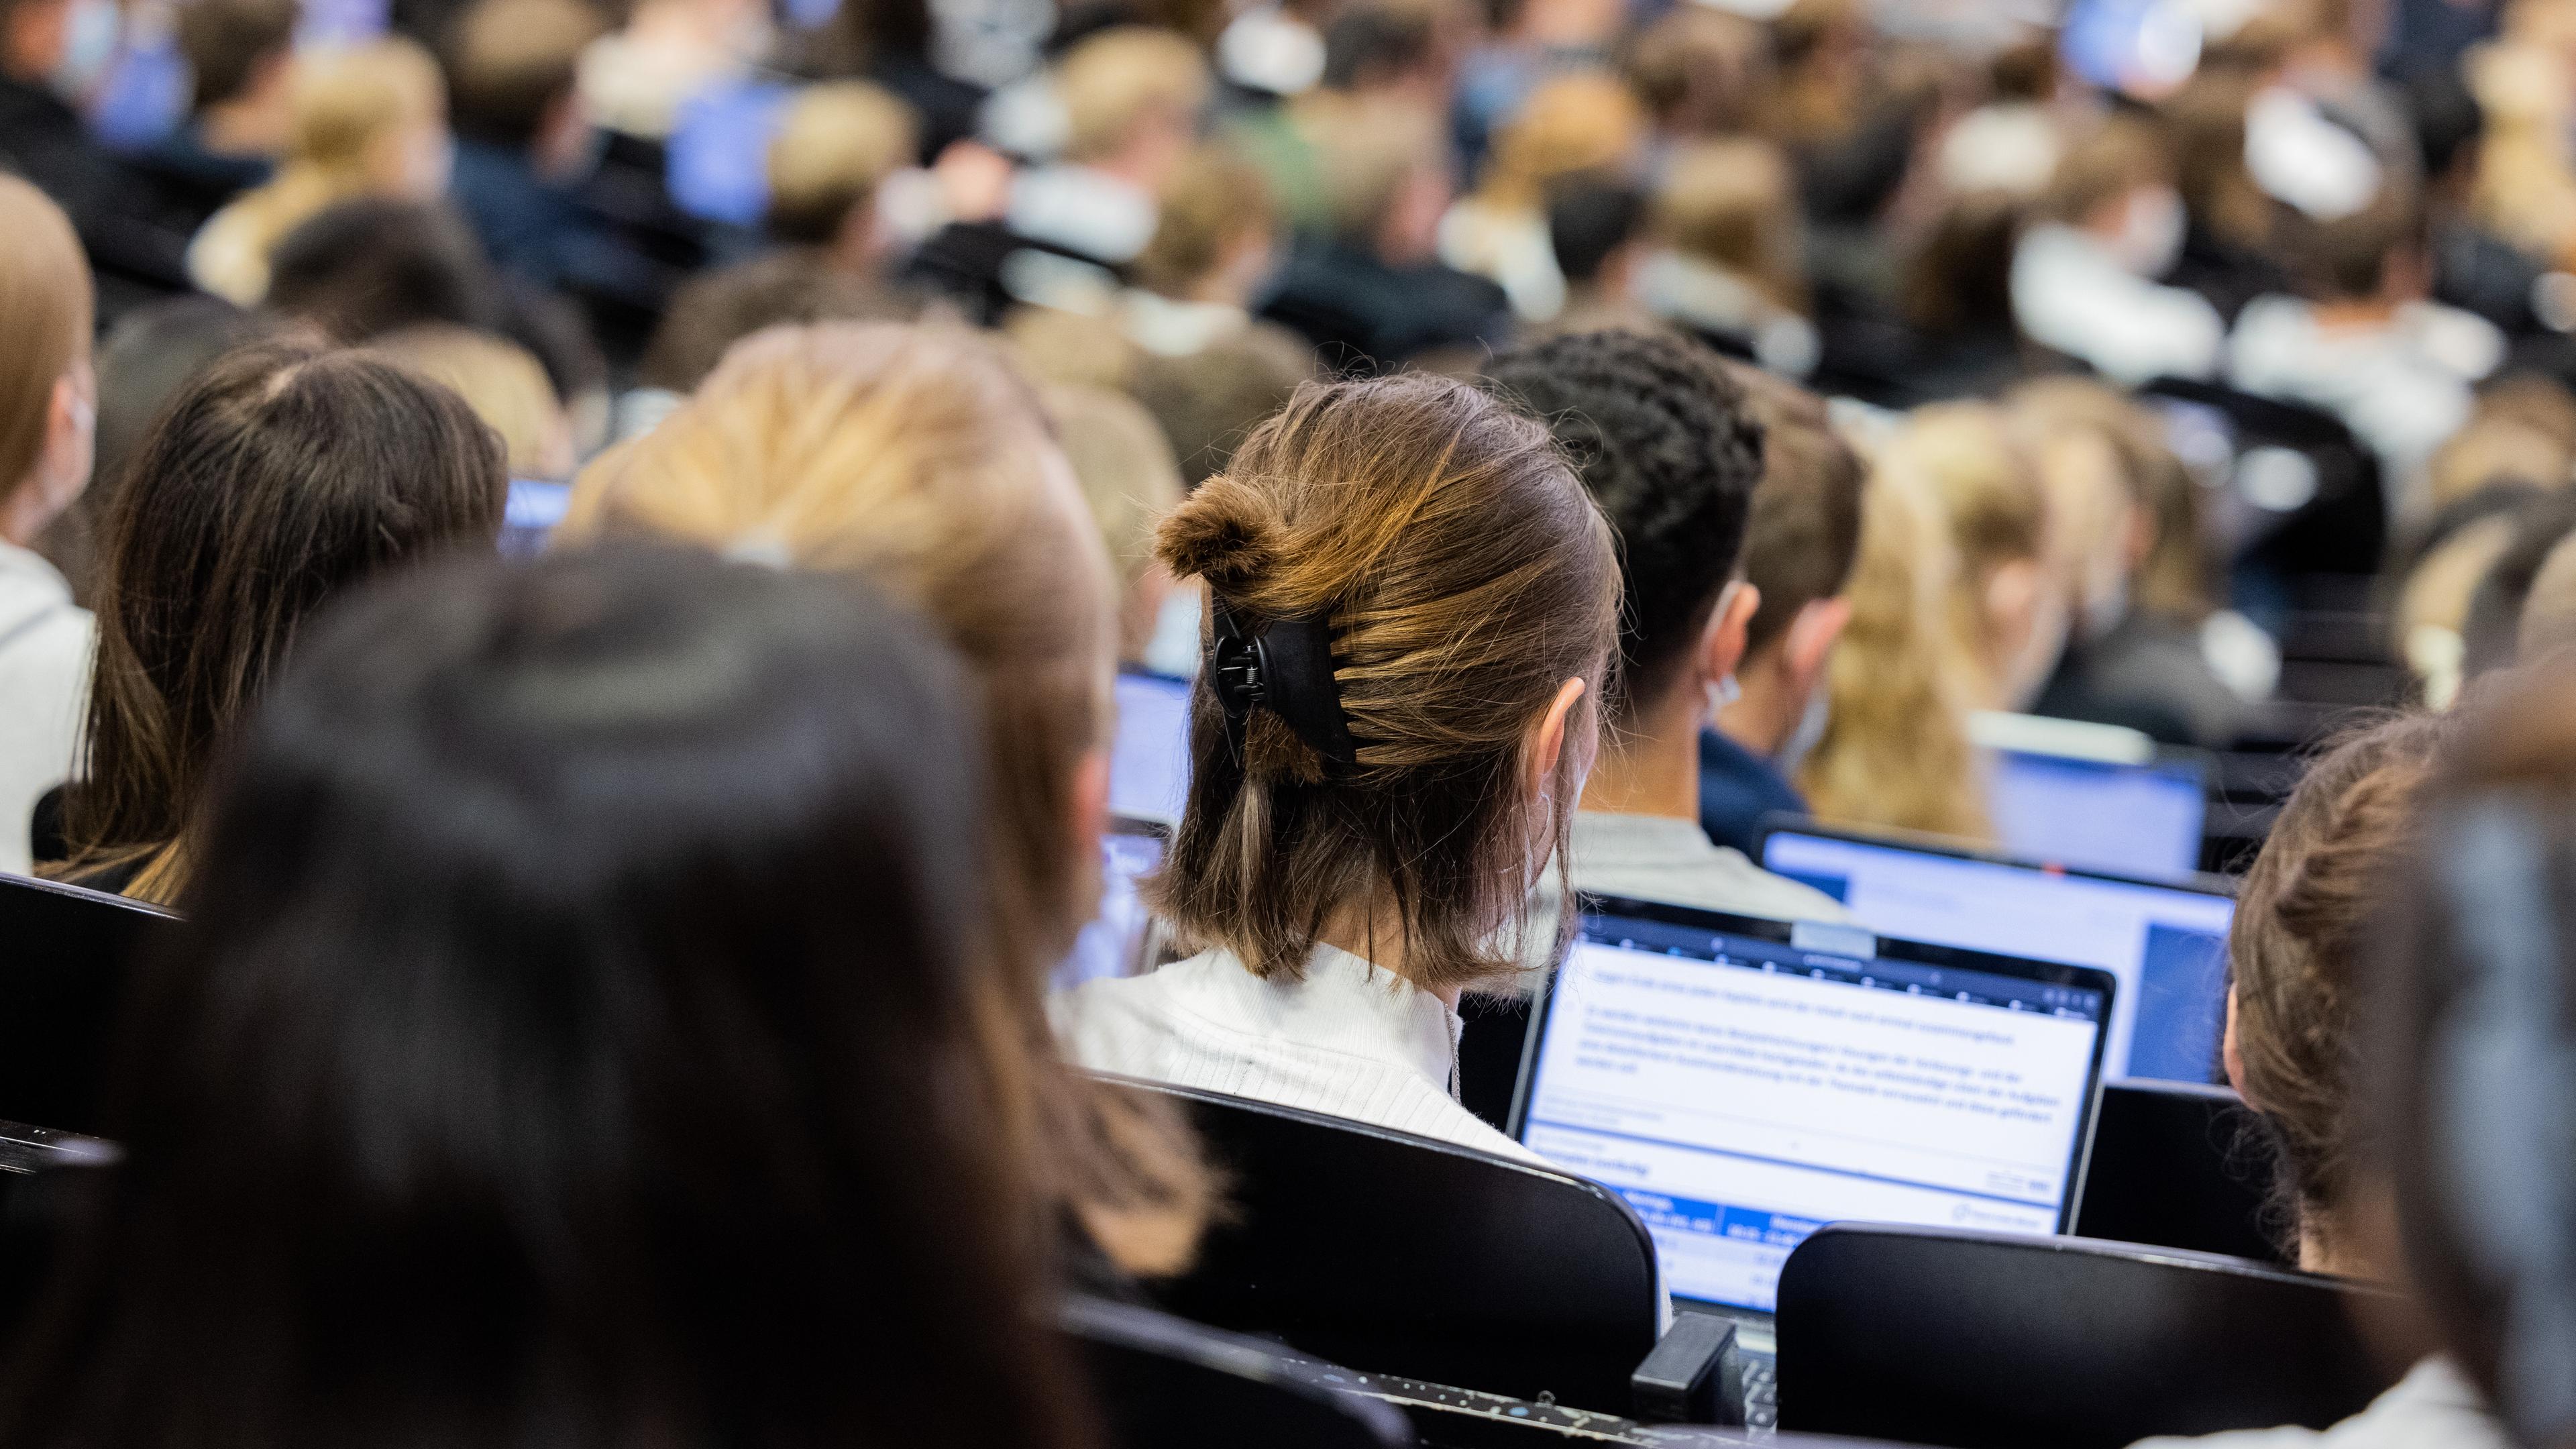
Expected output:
(1761, 1391)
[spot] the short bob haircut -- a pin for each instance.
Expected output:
(1465, 575)
(578, 1040)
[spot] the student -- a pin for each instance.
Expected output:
(278, 477)
(1671, 450)
(1894, 748)
(241, 57)
(43, 139)
(2471, 1036)
(1413, 607)
(2305, 918)
(918, 457)
(524, 143)
(1216, 242)
(369, 121)
(1578, 122)
(1800, 546)
(2361, 341)
(586, 955)
(2007, 613)
(835, 146)
(2084, 277)
(48, 402)
(1129, 482)
(1728, 264)
(505, 386)
(1209, 401)
(1596, 225)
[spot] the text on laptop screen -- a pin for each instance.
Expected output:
(1741, 1093)
(2134, 819)
(1114, 943)
(1149, 761)
(2166, 946)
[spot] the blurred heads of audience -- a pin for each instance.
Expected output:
(836, 145)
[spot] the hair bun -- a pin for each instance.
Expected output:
(1228, 533)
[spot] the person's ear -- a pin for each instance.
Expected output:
(2235, 1059)
(1721, 645)
(1547, 742)
(1811, 637)
(2012, 598)
(1089, 804)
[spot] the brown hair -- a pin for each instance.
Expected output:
(226, 41)
(1209, 401)
(502, 381)
(1465, 574)
(917, 455)
(1212, 199)
(2118, 156)
(276, 479)
(1803, 536)
(514, 60)
(837, 144)
(45, 303)
(1579, 121)
(2173, 577)
(2303, 923)
(1129, 482)
(1733, 204)
(715, 310)
(1702, 71)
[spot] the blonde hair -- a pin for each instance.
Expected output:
(1731, 204)
(1122, 76)
(1967, 464)
(347, 104)
(917, 455)
(1366, 149)
(838, 143)
(1582, 121)
(1125, 467)
(505, 385)
(1462, 575)
(2172, 578)
(1895, 751)
(45, 311)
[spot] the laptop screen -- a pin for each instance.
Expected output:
(1742, 1083)
(2165, 944)
(529, 515)
(1114, 943)
(2137, 819)
(1149, 762)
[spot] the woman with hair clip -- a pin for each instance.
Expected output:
(1412, 604)
(275, 479)
(917, 457)
(582, 1038)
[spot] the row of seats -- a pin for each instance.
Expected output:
(1482, 1297)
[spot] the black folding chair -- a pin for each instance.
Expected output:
(1400, 1255)
(1166, 1383)
(62, 980)
(2171, 1167)
(1996, 1341)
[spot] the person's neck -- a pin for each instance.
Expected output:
(22, 515)
(2360, 315)
(1377, 937)
(247, 127)
(1650, 766)
(1764, 714)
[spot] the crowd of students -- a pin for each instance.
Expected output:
(616, 994)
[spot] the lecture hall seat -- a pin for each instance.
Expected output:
(63, 972)
(1999, 1341)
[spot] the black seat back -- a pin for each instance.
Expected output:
(2172, 1166)
(1994, 1341)
(65, 954)
(1165, 1383)
(1400, 1255)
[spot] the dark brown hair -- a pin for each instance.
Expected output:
(279, 476)
(1465, 575)
(512, 61)
(226, 41)
(2303, 924)
(1803, 536)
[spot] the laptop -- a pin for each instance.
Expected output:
(1743, 1082)
(2092, 796)
(1118, 941)
(529, 515)
(1149, 758)
(2165, 941)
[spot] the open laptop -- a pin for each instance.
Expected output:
(1149, 758)
(1118, 939)
(2092, 796)
(2165, 941)
(1743, 1082)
